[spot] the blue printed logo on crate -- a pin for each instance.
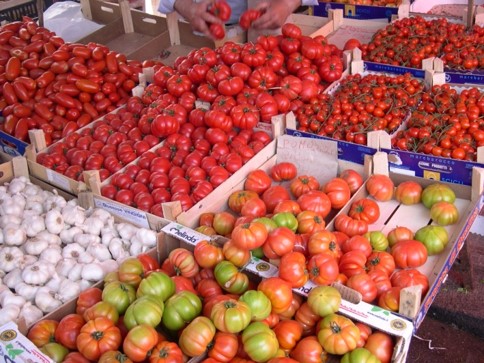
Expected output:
(431, 167)
(346, 150)
(457, 77)
(12, 146)
(387, 68)
(356, 11)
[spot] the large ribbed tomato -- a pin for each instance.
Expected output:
(283, 171)
(337, 334)
(98, 336)
(292, 269)
(324, 241)
(409, 254)
(408, 192)
(364, 284)
(365, 209)
(224, 347)
(350, 226)
(338, 191)
(274, 195)
(249, 236)
(323, 268)
(410, 277)
(238, 198)
(380, 187)
(279, 242)
(303, 184)
(310, 222)
(308, 350)
(279, 293)
(257, 181)
(196, 337)
(183, 262)
(316, 201)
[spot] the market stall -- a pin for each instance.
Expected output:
(298, 196)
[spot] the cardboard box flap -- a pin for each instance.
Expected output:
(313, 157)
(100, 11)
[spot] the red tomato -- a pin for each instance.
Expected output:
(352, 44)
(248, 17)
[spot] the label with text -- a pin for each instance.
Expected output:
(135, 216)
(183, 233)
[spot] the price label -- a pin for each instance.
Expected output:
(59, 180)
(132, 215)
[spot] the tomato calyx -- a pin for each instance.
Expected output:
(97, 335)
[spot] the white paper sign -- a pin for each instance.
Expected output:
(15, 347)
(135, 216)
(58, 180)
(315, 157)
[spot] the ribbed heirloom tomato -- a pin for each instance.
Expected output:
(380, 187)
(409, 254)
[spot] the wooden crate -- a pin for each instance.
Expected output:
(129, 31)
(311, 156)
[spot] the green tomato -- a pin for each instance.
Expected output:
(378, 240)
(286, 219)
(259, 303)
(437, 193)
(230, 278)
(119, 294)
(435, 238)
(147, 309)
(360, 355)
(324, 300)
(55, 351)
(231, 316)
(181, 309)
(260, 342)
(158, 284)
(257, 252)
(444, 213)
(268, 222)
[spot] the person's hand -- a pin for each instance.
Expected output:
(196, 13)
(275, 13)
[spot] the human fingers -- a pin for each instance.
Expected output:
(266, 21)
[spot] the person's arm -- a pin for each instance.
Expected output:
(195, 12)
(277, 11)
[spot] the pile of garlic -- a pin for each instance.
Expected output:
(51, 249)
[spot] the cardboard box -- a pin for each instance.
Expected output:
(429, 166)
(393, 324)
(470, 200)
(363, 12)
(334, 26)
(352, 307)
(311, 156)
(129, 31)
(12, 146)
(15, 347)
(424, 6)
(18, 167)
(144, 36)
(171, 210)
(431, 73)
